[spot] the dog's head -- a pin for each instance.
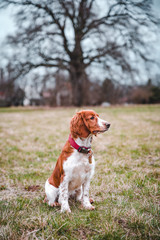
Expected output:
(87, 122)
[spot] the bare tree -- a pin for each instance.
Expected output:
(73, 35)
(10, 93)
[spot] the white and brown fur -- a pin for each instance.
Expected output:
(73, 171)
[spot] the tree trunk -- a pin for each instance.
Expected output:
(77, 79)
(77, 72)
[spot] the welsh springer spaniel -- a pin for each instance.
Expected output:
(75, 165)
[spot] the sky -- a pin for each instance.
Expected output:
(7, 26)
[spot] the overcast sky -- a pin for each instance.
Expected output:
(7, 26)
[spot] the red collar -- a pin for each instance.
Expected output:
(80, 149)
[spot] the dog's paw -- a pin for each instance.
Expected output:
(79, 199)
(88, 207)
(67, 210)
(55, 204)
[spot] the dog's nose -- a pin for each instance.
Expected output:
(108, 125)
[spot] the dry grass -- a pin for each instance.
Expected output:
(125, 186)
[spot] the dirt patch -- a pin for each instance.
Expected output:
(32, 188)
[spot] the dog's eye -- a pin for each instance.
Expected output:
(92, 118)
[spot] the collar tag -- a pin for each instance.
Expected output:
(80, 149)
(84, 150)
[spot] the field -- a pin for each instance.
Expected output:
(125, 186)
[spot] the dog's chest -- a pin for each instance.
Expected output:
(77, 168)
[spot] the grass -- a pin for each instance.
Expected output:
(125, 186)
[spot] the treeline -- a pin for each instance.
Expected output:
(59, 92)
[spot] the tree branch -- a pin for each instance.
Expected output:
(102, 52)
(51, 14)
(57, 59)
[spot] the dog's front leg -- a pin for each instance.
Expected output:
(63, 195)
(85, 195)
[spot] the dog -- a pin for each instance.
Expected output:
(75, 165)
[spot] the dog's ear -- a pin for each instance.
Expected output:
(87, 123)
(78, 127)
